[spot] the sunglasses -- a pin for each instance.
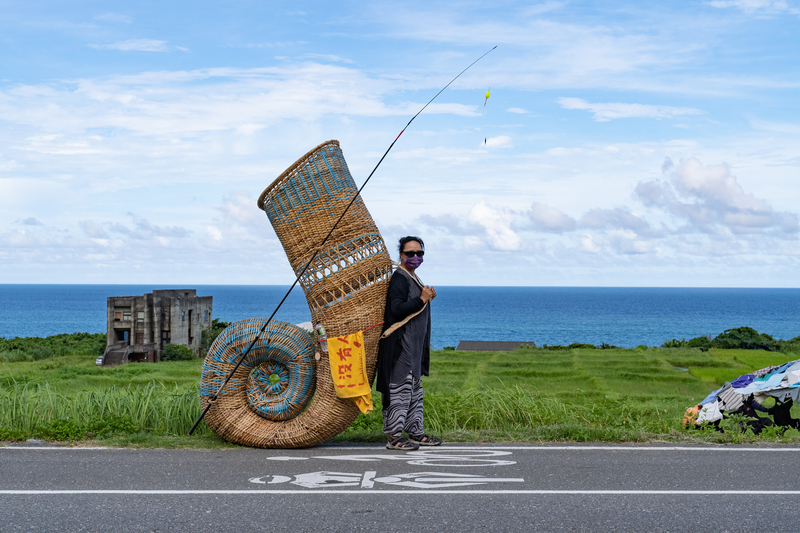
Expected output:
(412, 254)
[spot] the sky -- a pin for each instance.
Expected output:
(623, 144)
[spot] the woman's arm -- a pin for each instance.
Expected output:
(398, 292)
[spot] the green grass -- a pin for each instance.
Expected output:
(528, 395)
(75, 373)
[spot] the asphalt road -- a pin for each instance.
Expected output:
(357, 488)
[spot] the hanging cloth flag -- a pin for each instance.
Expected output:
(487, 97)
(349, 369)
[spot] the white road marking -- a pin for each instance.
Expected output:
(441, 480)
(408, 491)
(417, 480)
(721, 448)
(367, 482)
(439, 457)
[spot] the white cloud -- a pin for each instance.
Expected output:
(497, 224)
(139, 45)
(544, 7)
(450, 224)
(143, 230)
(329, 57)
(588, 51)
(241, 208)
(501, 141)
(628, 243)
(114, 17)
(214, 233)
(617, 218)
(249, 129)
(7, 165)
(92, 229)
(776, 127)
(206, 100)
(518, 110)
(710, 199)
(550, 219)
(755, 6)
(589, 244)
(30, 221)
(608, 111)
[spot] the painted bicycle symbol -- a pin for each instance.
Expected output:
(457, 458)
(367, 480)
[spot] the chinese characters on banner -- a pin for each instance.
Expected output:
(349, 369)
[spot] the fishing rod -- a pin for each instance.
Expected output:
(214, 396)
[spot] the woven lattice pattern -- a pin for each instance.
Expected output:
(345, 287)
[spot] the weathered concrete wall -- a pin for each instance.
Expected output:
(175, 316)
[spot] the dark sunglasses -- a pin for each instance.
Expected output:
(412, 254)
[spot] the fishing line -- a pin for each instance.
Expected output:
(214, 396)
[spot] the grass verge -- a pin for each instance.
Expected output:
(528, 395)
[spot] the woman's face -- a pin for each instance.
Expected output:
(410, 246)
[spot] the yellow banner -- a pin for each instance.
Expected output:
(349, 369)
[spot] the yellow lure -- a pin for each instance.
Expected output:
(487, 97)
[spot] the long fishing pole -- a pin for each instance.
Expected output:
(319, 249)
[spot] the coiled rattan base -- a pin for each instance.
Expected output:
(255, 412)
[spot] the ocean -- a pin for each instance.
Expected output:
(625, 317)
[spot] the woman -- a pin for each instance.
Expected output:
(404, 355)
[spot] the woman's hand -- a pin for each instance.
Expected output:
(428, 293)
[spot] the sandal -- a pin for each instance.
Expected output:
(425, 440)
(401, 443)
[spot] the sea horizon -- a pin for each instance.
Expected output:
(620, 316)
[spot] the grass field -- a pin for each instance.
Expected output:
(75, 373)
(528, 395)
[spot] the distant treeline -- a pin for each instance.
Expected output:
(36, 348)
(93, 344)
(743, 338)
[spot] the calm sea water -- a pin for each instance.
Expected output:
(544, 315)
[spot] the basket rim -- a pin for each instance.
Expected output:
(292, 168)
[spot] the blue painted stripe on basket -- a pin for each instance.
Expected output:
(308, 184)
(290, 356)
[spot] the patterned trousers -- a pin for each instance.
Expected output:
(403, 412)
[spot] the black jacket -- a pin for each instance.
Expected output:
(389, 349)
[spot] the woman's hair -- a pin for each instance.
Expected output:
(410, 238)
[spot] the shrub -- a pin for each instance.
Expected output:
(790, 346)
(38, 348)
(674, 343)
(700, 342)
(745, 338)
(210, 334)
(176, 352)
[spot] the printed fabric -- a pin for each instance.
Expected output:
(349, 369)
(403, 410)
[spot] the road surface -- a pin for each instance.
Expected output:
(368, 488)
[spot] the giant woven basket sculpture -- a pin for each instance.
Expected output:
(345, 287)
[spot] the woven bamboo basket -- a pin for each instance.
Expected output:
(345, 287)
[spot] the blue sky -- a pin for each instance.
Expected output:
(626, 144)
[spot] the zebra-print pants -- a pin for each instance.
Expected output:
(403, 412)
